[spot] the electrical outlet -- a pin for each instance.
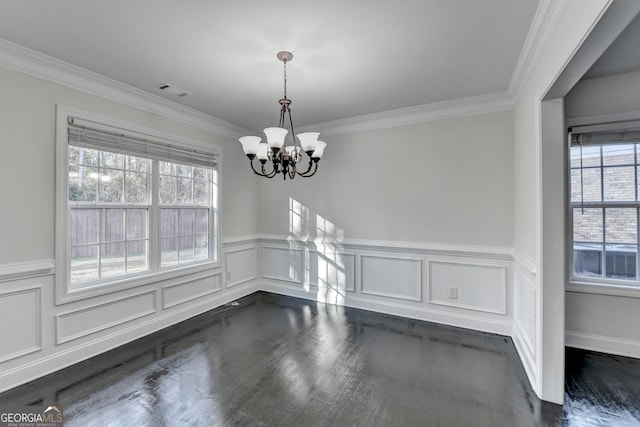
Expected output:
(453, 292)
(228, 276)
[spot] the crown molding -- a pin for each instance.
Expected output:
(543, 24)
(480, 104)
(27, 61)
(21, 59)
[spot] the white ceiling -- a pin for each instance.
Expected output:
(623, 56)
(352, 57)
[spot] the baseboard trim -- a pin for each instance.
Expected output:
(412, 312)
(60, 360)
(603, 344)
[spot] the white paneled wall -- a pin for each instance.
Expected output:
(525, 308)
(39, 337)
(462, 286)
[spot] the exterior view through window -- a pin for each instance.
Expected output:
(604, 209)
(113, 199)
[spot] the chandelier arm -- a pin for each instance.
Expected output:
(315, 169)
(293, 131)
(254, 169)
(271, 174)
(308, 168)
(282, 114)
(309, 172)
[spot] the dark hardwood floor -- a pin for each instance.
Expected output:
(281, 361)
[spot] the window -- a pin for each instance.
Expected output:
(604, 205)
(135, 205)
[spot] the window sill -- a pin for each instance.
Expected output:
(70, 295)
(609, 289)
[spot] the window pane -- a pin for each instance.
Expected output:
(168, 252)
(621, 261)
(202, 247)
(136, 224)
(111, 186)
(84, 226)
(137, 258)
(621, 225)
(186, 222)
(590, 156)
(619, 183)
(200, 192)
(166, 168)
(185, 195)
(167, 190)
(592, 185)
(622, 154)
(136, 187)
(168, 222)
(112, 260)
(83, 184)
(200, 173)
(113, 225)
(137, 164)
(82, 156)
(202, 221)
(186, 252)
(575, 185)
(587, 225)
(84, 264)
(111, 160)
(183, 170)
(587, 259)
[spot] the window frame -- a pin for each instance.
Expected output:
(64, 292)
(594, 285)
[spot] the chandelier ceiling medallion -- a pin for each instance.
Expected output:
(284, 159)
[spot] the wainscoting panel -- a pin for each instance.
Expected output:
(282, 263)
(185, 289)
(333, 270)
(392, 277)
(525, 321)
(21, 320)
(477, 287)
(241, 265)
(87, 321)
(525, 297)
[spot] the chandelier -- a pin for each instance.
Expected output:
(285, 159)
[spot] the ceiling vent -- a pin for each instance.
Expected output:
(173, 90)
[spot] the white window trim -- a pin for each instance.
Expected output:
(63, 293)
(610, 287)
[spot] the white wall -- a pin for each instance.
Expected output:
(446, 181)
(534, 312)
(396, 217)
(46, 337)
(601, 322)
(604, 96)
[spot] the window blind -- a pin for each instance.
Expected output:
(606, 133)
(93, 135)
